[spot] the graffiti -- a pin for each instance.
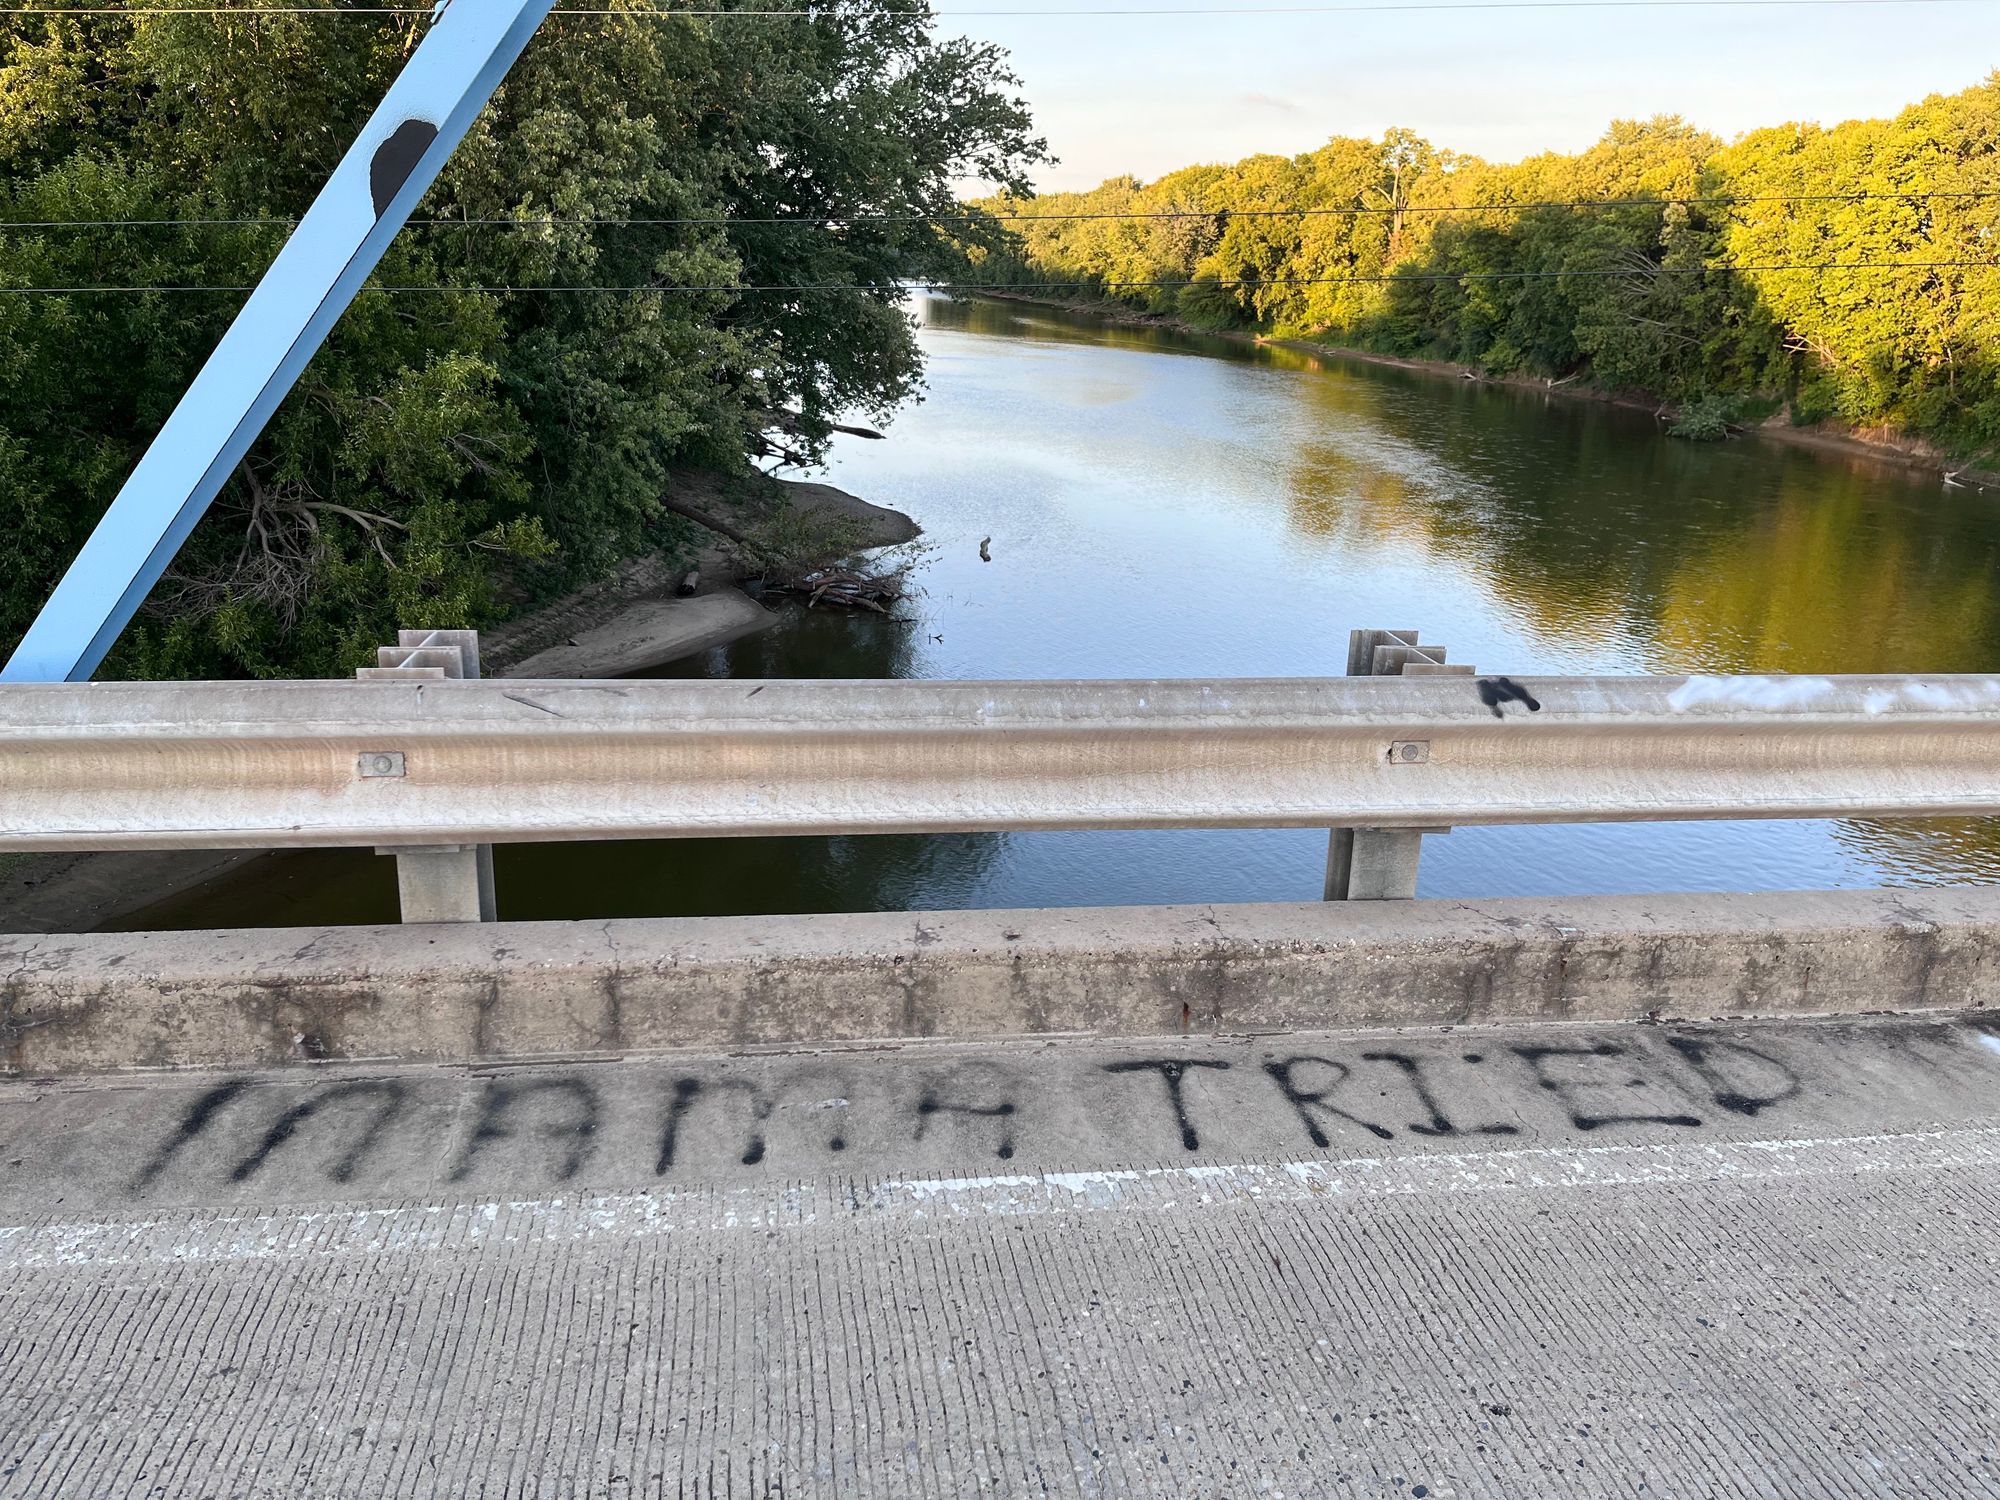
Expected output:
(197, 1119)
(1312, 1104)
(1567, 1073)
(1414, 1070)
(931, 1105)
(1172, 1071)
(389, 1098)
(870, 1112)
(564, 1111)
(1740, 1078)
(686, 1091)
(1496, 692)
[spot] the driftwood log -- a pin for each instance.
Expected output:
(839, 586)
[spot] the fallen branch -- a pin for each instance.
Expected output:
(720, 527)
(840, 587)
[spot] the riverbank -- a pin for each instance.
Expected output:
(639, 618)
(635, 620)
(1878, 444)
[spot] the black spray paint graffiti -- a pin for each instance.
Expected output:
(1172, 1071)
(1735, 1072)
(690, 1091)
(1555, 1070)
(388, 1098)
(1337, 1101)
(395, 159)
(1495, 692)
(572, 1125)
(1436, 1125)
(1311, 1104)
(1317, 1111)
(931, 1105)
(200, 1115)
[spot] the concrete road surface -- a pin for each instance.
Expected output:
(1755, 1260)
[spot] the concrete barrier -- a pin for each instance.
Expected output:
(519, 991)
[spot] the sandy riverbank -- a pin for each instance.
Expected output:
(635, 620)
(638, 619)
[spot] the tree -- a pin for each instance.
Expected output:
(474, 430)
(1853, 273)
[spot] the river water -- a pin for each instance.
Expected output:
(1163, 505)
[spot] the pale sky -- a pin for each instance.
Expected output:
(1146, 94)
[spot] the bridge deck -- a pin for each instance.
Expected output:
(1752, 1260)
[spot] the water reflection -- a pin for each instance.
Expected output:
(1164, 504)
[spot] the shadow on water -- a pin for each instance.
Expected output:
(1166, 504)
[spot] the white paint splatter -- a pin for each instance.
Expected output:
(1747, 692)
(466, 1227)
(1971, 694)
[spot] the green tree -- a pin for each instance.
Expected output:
(1850, 272)
(480, 431)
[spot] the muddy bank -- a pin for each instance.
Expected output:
(639, 618)
(1878, 444)
(634, 620)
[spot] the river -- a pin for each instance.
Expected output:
(1164, 505)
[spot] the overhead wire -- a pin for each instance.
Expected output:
(826, 221)
(920, 285)
(1362, 7)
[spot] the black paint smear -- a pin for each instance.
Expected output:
(498, 1103)
(392, 1096)
(1537, 1057)
(686, 1091)
(1495, 691)
(930, 1105)
(1438, 1125)
(1306, 1101)
(1173, 1070)
(199, 1116)
(1702, 1055)
(395, 159)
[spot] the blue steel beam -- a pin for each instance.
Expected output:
(433, 102)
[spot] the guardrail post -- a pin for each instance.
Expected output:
(445, 882)
(1380, 864)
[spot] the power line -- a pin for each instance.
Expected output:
(827, 13)
(1695, 201)
(826, 221)
(800, 288)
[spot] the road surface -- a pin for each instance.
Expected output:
(1750, 1260)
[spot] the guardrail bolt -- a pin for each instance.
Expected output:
(377, 764)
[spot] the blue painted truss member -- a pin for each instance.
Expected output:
(469, 48)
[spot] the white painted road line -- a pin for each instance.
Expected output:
(456, 1227)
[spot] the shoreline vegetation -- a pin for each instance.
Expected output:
(1831, 287)
(1876, 446)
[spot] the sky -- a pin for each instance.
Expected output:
(1147, 94)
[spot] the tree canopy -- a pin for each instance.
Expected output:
(473, 422)
(1712, 290)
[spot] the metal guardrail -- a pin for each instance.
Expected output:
(425, 763)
